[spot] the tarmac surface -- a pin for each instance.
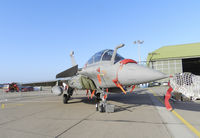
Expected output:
(138, 114)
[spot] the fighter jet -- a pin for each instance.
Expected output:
(106, 71)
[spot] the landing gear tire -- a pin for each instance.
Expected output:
(102, 104)
(97, 106)
(101, 107)
(65, 98)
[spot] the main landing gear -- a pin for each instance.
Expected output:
(101, 106)
(67, 95)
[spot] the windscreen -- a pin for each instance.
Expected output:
(104, 55)
(108, 55)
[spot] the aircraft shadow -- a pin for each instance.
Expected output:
(137, 98)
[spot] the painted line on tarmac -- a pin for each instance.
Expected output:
(39, 101)
(11, 105)
(193, 129)
(3, 106)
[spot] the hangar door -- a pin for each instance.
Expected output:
(191, 65)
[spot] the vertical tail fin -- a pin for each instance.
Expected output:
(72, 59)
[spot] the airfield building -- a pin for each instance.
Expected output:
(176, 59)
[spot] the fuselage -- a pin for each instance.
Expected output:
(107, 69)
(104, 73)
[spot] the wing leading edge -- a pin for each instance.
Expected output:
(68, 73)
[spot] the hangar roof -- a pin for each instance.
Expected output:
(175, 52)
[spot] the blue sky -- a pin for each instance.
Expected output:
(36, 36)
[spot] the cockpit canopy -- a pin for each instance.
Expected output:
(104, 55)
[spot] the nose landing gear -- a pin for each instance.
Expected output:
(103, 106)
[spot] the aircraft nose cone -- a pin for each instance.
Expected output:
(153, 74)
(133, 73)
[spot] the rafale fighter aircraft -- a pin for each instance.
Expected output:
(106, 71)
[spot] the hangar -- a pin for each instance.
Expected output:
(176, 59)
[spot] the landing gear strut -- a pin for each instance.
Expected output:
(67, 96)
(98, 96)
(101, 106)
